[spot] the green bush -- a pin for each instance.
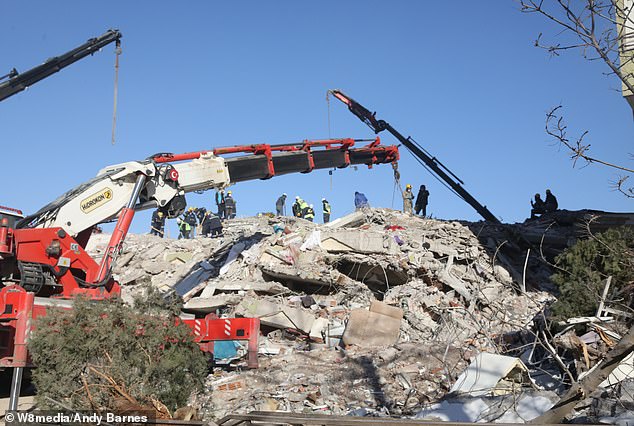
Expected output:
(584, 267)
(102, 354)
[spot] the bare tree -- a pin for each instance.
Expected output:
(602, 30)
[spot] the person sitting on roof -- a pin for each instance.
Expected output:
(550, 203)
(538, 206)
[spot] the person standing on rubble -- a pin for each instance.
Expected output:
(220, 203)
(200, 216)
(309, 213)
(303, 207)
(325, 207)
(408, 199)
(550, 203)
(538, 206)
(280, 204)
(184, 228)
(230, 206)
(157, 226)
(190, 218)
(212, 225)
(421, 201)
(299, 207)
(360, 201)
(297, 212)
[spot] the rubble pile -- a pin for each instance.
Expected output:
(377, 312)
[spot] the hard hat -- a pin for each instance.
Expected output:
(408, 186)
(191, 209)
(284, 194)
(323, 199)
(160, 213)
(297, 197)
(229, 192)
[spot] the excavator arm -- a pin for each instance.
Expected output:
(18, 82)
(436, 166)
(47, 248)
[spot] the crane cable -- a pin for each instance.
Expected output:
(328, 109)
(117, 52)
(329, 132)
(397, 181)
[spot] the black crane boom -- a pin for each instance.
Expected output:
(18, 82)
(370, 119)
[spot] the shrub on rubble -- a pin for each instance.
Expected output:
(584, 267)
(107, 355)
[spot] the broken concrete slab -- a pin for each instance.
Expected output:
(276, 315)
(359, 242)
(440, 249)
(349, 221)
(455, 283)
(270, 287)
(154, 251)
(132, 276)
(125, 259)
(304, 279)
(378, 326)
(153, 267)
(178, 257)
(205, 305)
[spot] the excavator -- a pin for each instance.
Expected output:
(432, 163)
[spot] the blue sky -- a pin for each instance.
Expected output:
(462, 78)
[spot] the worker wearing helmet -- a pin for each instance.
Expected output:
(230, 206)
(184, 228)
(190, 218)
(309, 213)
(408, 199)
(157, 225)
(298, 206)
(325, 207)
(280, 204)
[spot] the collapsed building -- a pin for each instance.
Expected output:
(376, 313)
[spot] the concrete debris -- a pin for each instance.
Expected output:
(358, 242)
(352, 220)
(210, 304)
(374, 313)
(276, 315)
(492, 374)
(378, 326)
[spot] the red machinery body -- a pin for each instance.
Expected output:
(50, 263)
(21, 308)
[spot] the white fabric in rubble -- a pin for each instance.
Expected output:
(313, 240)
